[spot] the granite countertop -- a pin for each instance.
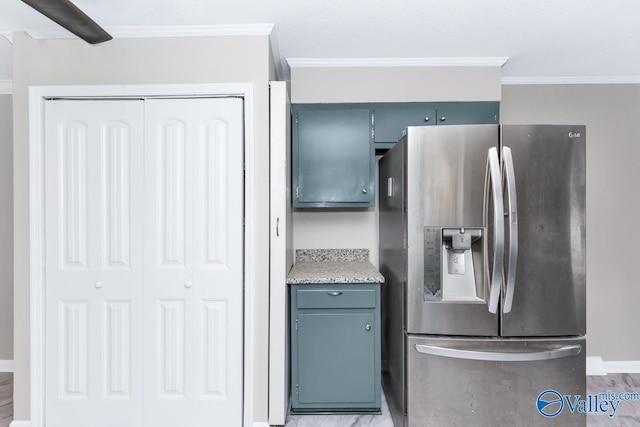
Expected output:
(333, 266)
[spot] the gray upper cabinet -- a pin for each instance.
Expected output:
(333, 156)
(467, 113)
(334, 145)
(391, 119)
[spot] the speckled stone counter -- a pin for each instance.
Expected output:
(333, 266)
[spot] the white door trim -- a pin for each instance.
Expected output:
(37, 97)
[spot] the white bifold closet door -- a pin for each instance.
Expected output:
(144, 262)
(193, 262)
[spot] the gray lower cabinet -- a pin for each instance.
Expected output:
(335, 348)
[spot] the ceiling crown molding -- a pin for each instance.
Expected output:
(141, 31)
(162, 31)
(7, 35)
(6, 87)
(398, 62)
(571, 80)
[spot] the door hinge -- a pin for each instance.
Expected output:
(297, 192)
(296, 324)
(297, 389)
(296, 119)
(373, 122)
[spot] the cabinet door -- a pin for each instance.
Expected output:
(391, 119)
(467, 113)
(336, 359)
(333, 158)
(193, 262)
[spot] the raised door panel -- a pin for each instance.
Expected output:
(93, 262)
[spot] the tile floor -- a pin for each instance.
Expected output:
(628, 414)
(383, 420)
(6, 399)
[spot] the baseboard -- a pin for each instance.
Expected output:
(597, 366)
(6, 365)
(28, 424)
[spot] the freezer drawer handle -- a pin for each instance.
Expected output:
(334, 293)
(557, 353)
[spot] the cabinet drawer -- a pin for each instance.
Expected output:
(336, 298)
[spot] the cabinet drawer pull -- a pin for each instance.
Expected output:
(368, 327)
(334, 293)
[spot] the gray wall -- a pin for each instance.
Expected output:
(141, 61)
(394, 84)
(612, 116)
(342, 228)
(6, 229)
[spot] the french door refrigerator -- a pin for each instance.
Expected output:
(482, 244)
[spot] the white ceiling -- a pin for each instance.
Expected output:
(598, 39)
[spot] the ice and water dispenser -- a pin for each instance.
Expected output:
(453, 264)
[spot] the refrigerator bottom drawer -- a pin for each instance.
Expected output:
(495, 382)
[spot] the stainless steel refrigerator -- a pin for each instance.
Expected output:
(482, 244)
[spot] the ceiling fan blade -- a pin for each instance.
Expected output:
(69, 16)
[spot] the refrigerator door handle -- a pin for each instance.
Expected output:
(512, 214)
(493, 185)
(497, 356)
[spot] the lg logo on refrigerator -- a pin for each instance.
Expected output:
(574, 134)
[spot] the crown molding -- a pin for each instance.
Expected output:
(6, 87)
(281, 66)
(397, 62)
(571, 80)
(7, 35)
(141, 31)
(162, 31)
